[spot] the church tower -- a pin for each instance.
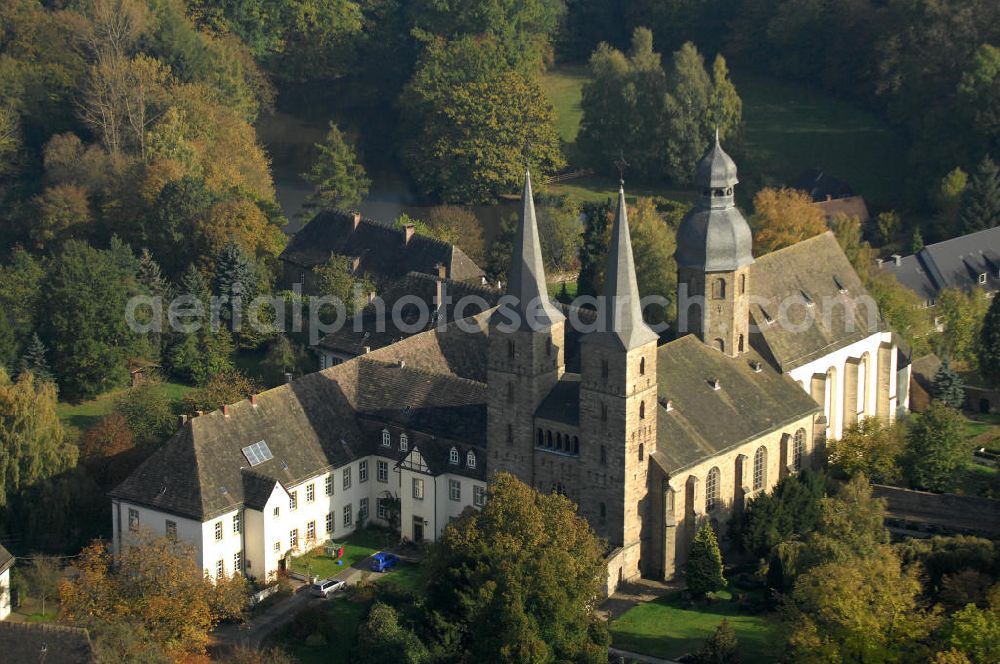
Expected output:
(526, 340)
(618, 407)
(714, 253)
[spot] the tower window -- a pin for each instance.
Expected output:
(642, 366)
(642, 410)
(576, 445)
(719, 289)
(510, 433)
(642, 452)
(559, 441)
(541, 438)
(604, 412)
(548, 439)
(743, 284)
(603, 510)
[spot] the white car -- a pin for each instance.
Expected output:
(327, 587)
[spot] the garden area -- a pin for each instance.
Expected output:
(357, 547)
(672, 626)
(85, 414)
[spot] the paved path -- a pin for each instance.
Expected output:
(636, 657)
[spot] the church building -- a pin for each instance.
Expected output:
(775, 355)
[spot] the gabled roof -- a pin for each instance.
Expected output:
(6, 559)
(851, 206)
(382, 250)
(27, 643)
(813, 279)
(703, 421)
(954, 263)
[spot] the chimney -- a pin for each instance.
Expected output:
(199, 413)
(253, 400)
(716, 384)
(668, 404)
(402, 364)
(288, 377)
(439, 296)
(442, 271)
(355, 220)
(371, 296)
(755, 365)
(829, 197)
(408, 231)
(182, 420)
(897, 259)
(368, 349)
(225, 410)
(878, 262)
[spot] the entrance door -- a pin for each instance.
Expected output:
(418, 530)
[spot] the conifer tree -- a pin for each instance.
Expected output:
(338, 178)
(151, 276)
(982, 198)
(948, 386)
(704, 566)
(34, 360)
(989, 344)
(917, 243)
(235, 277)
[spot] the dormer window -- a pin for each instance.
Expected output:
(453, 456)
(808, 300)
(404, 442)
(982, 278)
(470, 459)
(386, 439)
(840, 286)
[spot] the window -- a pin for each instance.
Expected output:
(642, 452)
(348, 515)
(760, 468)
(362, 471)
(218, 531)
(720, 345)
(220, 569)
(576, 445)
(293, 538)
(238, 562)
(328, 485)
(479, 495)
(311, 531)
(236, 523)
(329, 522)
(982, 278)
(404, 443)
(257, 453)
(739, 343)
(277, 512)
(510, 433)
(381, 506)
(798, 449)
(382, 468)
(133, 520)
(363, 510)
(470, 459)
(310, 493)
(293, 500)
(719, 289)
(418, 488)
(454, 489)
(171, 530)
(743, 284)
(347, 478)
(642, 366)
(642, 410)
(604, 412)
(277, 546)
(712, 490)
(386, 439)
(510, 349)
(453, 455)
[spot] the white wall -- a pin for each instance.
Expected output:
(155, 522)
(5, 594)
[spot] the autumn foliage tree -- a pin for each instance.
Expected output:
(871, 447)
(223, 388)
(783, 217)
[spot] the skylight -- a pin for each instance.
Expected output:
(257, 453)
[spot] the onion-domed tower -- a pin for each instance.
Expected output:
(714, 253)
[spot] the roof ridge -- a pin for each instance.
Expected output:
(770, 254)
(349, 214)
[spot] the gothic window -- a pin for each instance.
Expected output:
(743, 284)
(470, 459)
(719, 289)
(712, 490)
(760, 468)
(510, 433)
(604, 412)
(642, 452)
(559, 441)
(720, 345)
(642, 410)
(642, 366)
(798, 449)
(548, 439)
(453, 456)
(576, 445)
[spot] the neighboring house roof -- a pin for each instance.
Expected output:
(820, 186)
(851, 206)
(27, 643)
(704, 421)
(954, 263)
(812, 278)
(382, 251)
(375, 327)
(6, 559)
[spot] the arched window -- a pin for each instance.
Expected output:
(576, 445)
(453, 456)
(642, 410)
(760, 468)
(541, 438)
(642, 452)
(642, 366)
(719, 289)
(798, 449)
(740, 343)
(548, 439)
(386, 439)
(404, 442)
(510, 392)
(712, 490)
(720, 345)
(558, 441)
(470, 459)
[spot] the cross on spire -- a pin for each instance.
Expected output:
(621, 165)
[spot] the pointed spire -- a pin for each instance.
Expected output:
(622, 311)
(527, 272)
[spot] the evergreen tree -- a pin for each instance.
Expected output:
(34, 360)
(235, 277)
(689, 99)
(935, 448)
(989, 344)
(594, 252)
(948, 386)
(917, 242)
(338, 178)
(720, 648)
(280, 359)
(151, 276)
(704, 570)
(982, 198)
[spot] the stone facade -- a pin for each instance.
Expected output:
(716, 307)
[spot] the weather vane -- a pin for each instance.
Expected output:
(621, 164)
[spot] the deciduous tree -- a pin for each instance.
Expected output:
(720, 648)
(962, 314)
(147, 411)
(783, 217)
(222, 388)
(935, 448)
(43, 576)
(871, 447)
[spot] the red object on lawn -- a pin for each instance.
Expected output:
(340, 552)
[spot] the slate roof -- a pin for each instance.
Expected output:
(705, 422)
(28, 643)
(382, 250)
(715, 168)
(6, 559)
(378, 331)
(954, 263)
(812, 278)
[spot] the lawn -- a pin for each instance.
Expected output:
(555, 287)
(357, 547)
(85, 414)
(668, 628)
(600, 188)
(977, 477)
(564, 87)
